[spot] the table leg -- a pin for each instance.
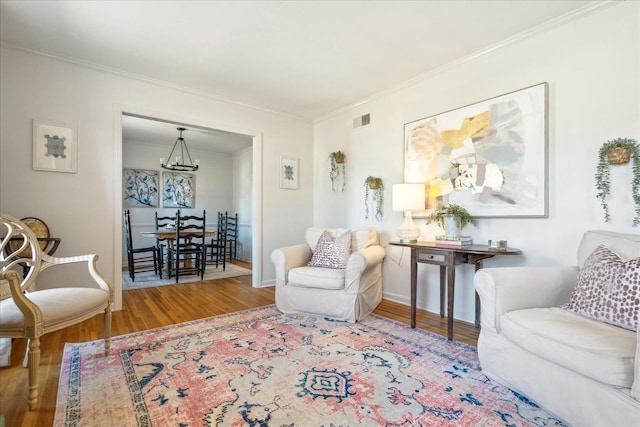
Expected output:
(451, 277)
(414, 286)
(443, 277)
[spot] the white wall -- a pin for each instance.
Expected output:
(84, 208)
(213, 187)
(592, 67)
(242, 190)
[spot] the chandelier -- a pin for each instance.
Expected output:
(179, 162)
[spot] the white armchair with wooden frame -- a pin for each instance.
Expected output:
(26, 312)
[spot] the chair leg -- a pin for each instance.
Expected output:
(34, 365)
(107, 330)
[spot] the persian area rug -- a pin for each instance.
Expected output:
(263, 368)
(149, 279)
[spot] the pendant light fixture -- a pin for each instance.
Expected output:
(179, 162)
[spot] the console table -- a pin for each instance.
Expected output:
(448, 258)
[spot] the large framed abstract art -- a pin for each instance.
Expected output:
(178, 190)
(489, 157)
(140, 188)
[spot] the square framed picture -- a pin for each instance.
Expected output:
(55, 147)
(178, 190)
(140, 188)
(289, 173)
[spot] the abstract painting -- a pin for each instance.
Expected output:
(490, 157)
(140, 188)
(178, 190)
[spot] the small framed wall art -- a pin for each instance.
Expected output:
(289, 173)
(55, 147)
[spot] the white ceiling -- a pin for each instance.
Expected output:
(301, 58)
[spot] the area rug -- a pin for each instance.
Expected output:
(263, 368)
(149, 279)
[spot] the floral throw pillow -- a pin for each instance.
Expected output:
(332, 253)
(608, 289)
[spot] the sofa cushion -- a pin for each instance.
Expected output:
(332, 253)
(627, 246)
(361, 237)
(317, 277)
(608, 289)
(593, 349)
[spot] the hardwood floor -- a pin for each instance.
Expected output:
(152, 308)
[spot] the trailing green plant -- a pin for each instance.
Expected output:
(376, 187)
(603, 178)
(460, 215)
(338, 169)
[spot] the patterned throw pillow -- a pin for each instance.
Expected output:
(330, 253)
(608, 289)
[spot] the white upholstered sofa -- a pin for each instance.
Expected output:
(584, 371)
(349, 293)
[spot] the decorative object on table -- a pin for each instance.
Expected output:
(228, 369)
(178, 190)
(337, 173)
(407, 198)
(499, 245)
(451, 241)
(375, 186)
(140, 188)
(617, 152)
(289, 173)
(480, 155)
(177, 161)
(452, 218)
(55, 147)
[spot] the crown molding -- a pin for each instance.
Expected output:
(146, 79)
(553, 23)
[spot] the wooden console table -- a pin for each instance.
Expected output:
(448, 258)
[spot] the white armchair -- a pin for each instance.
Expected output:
(585, 371)
(348, 294)
(26, 312)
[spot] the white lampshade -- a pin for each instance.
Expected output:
(407, 198)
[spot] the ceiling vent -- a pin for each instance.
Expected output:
(358, 122)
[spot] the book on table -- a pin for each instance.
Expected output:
(457, 241)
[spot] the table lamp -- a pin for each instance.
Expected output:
(407, 198)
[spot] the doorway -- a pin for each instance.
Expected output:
(197, 138)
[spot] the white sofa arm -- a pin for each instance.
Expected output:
(358, 263)
(506, 289)
(284, 259)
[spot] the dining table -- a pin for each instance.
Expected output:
(169, 234)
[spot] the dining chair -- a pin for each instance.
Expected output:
(29, 312)
(232, 235)
(218, 245)
(140, 259)
(163, 222)
(186, 255)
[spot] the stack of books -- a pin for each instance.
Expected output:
(450, 241)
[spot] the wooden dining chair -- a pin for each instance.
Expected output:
(187, 255)
(163, 222)
(232, 235)
(140, 259)
(217, 247)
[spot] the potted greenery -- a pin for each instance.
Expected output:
(452, 218)
(618, 151)
(337, 172)
(376, 187)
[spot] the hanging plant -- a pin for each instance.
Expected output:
(618, 151)
(376, 187)
(337, 173)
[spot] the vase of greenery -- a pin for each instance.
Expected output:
(337, 173)
(374, 186)
(452, 218)
(616, 152)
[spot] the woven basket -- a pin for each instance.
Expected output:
(619, 155)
